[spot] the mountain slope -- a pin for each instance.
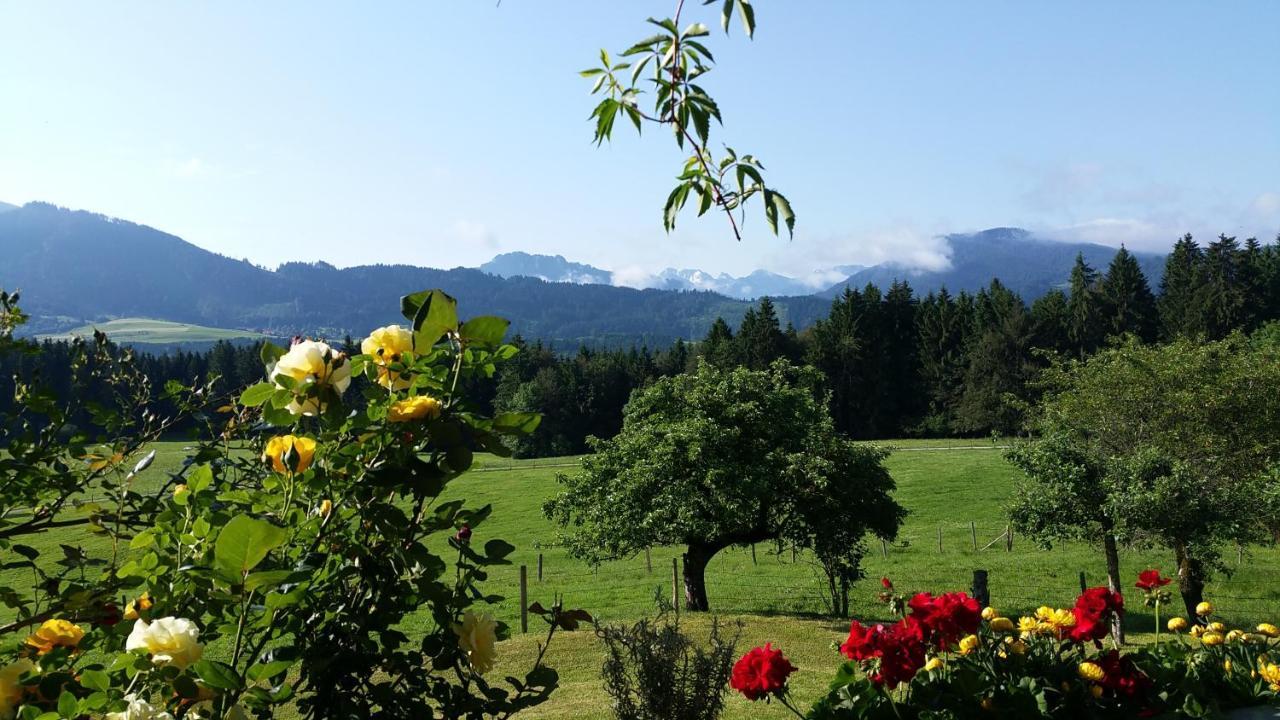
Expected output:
(552, 268)
(1027, 264)
(76, 268)
(5, 207)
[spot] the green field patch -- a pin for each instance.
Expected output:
(144, 331)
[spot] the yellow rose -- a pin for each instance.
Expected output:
(1055, 620)
(11, 688)
(989, 614)
(139, 709)
(968, 644)
(1226, 665)
(1177, 624)
(326, 507)
(280, 449)
(1197, 630)
(935, 663)
(1001, 624)
(134, 607)
(169, 641)
(477, 637)
(1211, 639)
(1016, 646)
(414, 408)
(1217, 627)
(1204, 608)
(1092, 672)
(388, 345)
(1028, 626)
(311, 364)
(1270, 672)
(1235, 636)
(1269, 630)
(55, 633)
(1096, 691)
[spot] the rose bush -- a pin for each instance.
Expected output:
(945, 658)
(287, 559)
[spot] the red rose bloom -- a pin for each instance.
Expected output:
(886, 584)
(463, 535)
(1093, 612)
(1122, 677)
(946, 618)
(898, 651)
(761, 672)
(1149, 580)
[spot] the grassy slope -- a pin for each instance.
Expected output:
(142, 330)
(776, 597)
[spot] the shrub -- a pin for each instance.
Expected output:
(653, 671)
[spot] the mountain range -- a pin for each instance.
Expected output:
(75, 268)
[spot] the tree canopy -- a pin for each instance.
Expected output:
(716, 458)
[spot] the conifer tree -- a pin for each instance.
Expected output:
(1084, 329)
(1128, 305)
(1179, 289)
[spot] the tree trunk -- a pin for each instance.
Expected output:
(1190, 581)
(696, 558)
(1113, 582)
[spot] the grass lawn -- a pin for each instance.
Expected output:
(947, 485)
(133, 331)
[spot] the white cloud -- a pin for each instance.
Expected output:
(191, 168)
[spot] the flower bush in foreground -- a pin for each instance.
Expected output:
(278, 565)
(945, 658)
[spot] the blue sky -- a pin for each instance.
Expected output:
(440, 133)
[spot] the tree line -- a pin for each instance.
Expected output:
(894, 364)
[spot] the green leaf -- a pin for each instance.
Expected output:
(267, 578)
(434, 313)
(788, 217)
(521, 422)
(95, 680)
(695, 30)
(200, 478)
(255, 395)
(242, 544)
(486, 330)
(748, 15)
(270, 353)
(217, 675)
(68, 706)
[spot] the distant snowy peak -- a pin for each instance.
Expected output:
(552, 268)
(758, 284)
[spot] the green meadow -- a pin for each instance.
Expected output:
(955, 490)
(134, 331)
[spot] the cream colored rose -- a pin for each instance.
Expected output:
(478, 637)
(388, 345)
(310, 364)
(169, 641)
(139, 709)
(11, 686)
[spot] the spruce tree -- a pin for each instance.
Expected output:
(1085, 328)
(1180, 288)
(1221, 299)
(760, 340)
(1128, 305)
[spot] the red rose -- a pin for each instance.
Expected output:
(1093, 612)
(1122, 677)
(1149, 580)
(946, 618)
(884, 582)
(900, 649)
(463, 535)
(761, 672)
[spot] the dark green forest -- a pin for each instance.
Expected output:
(895, 364)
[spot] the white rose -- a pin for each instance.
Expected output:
(169, 641)
(139, 709)
(311, 363)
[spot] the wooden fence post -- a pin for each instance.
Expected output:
(648, 561)
(980, 591)
(1008, 538)
(939, 538)
(884, 549)
(1083, 584)
(539, 567)
(753, 553)
(524, 599)
(973, 530)
(675, 586)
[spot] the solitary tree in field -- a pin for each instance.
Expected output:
(717, 458)
(1161, 446)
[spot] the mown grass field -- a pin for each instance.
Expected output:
(135, 331)
(946, 485)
